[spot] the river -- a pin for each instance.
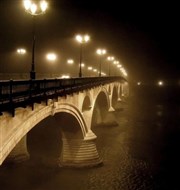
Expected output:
(140, 151)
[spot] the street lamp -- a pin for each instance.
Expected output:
(123, 71)
(21, 51)
(116, 63)
(100, 52)
(51, 57)
(82, 39)
(70, 61)
(34, 9)
(160, 83)
(110, 58)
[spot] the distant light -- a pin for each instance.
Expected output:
(160, 83)
(21, 51)
(79, 38)
(115, 62)
(138, 83)
(125, 74)
(51, 56)
(27, 4)
(119, 66)
(110, 58)
(43, 5)
(65, 76)
(94, 70)
(82, 65)
(86, 38)
(82, 38)
(123, 71)
(35, 9)
(90, 68)
(70, 61)
(101, 51)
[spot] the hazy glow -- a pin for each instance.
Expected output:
(65, 76)
(110, 58)
(79, 38)
(82, 65)
(123, 71)
(43, 5)
(125, 74)
(82, 38)
(116, 62)
(90, 68)
(101, 51)
(32, 7)
(138, 83)
(86, 38)
(70, 61)
(21, 51)
(119, 66)
(51, 56)
(95, 70)
(27, 4)
(160, 83)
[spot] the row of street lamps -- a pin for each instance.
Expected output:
(35, 9)
(52, 57)
(82, 39)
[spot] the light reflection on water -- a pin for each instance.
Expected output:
(140, 153)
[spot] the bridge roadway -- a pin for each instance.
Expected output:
(25, 103)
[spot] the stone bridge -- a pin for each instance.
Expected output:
(73, 114)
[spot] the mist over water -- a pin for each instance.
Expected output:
(139, 144)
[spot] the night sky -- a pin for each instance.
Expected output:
(143, 36)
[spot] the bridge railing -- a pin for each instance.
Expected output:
(22, 93)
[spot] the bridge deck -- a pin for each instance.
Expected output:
(22, 93)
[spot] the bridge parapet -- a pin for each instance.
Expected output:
(21, 93)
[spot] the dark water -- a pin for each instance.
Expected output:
(141, 152)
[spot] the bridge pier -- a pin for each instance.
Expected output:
(79, 153)
(119, 93)
(19, 153)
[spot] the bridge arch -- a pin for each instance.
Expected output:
(73, 148)
(72, 110)
(24, 121)
(87, 103)
(100, 107)
(103, 91)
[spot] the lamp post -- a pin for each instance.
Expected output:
(109, 58)
(82, 39)
(34, 10)
(100, 52)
